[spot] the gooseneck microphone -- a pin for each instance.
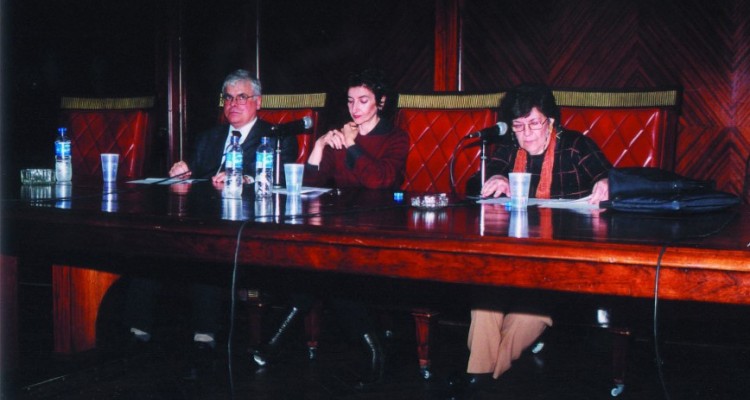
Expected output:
(286, 129)
(487, 135)
(499, 129)
(293, 127)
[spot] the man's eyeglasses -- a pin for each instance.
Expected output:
(240, 99)
(519, 127)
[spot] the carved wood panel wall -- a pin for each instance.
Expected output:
(313, 46)
(700, 46)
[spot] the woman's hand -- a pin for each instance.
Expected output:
(496, 186)
(350, 132)
(337, 139)
(333, 138)
(600, 192)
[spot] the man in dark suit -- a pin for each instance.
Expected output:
(242, 100)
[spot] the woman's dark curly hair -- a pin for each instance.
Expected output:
(519, 101)
(374, 79)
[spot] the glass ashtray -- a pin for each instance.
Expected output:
(430, 201)
(37, 176)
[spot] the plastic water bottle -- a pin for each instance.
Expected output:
(63, 164)
(263, 168)
(233, 170)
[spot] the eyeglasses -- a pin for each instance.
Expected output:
(519, 127)
(240, 99)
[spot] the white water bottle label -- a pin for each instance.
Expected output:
(234, 160)
(264, 160)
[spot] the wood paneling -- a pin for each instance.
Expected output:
(447, 44)
(77, 295)
(309, 46)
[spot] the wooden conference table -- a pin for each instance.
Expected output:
(368, 233)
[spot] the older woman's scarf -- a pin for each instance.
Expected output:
(545, 181)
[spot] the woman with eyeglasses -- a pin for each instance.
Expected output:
(563, 164)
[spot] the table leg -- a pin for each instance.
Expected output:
(77, 294)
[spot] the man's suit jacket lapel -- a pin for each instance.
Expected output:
(253, 137)
(219, 139)
(217, 145)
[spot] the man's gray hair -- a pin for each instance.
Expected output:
(241, 75)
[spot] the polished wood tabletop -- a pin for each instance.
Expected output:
(701, 257)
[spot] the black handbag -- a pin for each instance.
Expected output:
(653, 190)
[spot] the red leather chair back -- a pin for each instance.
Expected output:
(108, 125)
(282, 108)
(436, 125)
(633, 129)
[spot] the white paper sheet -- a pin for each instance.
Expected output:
(305, 191)
(164, 181)
(579, 204)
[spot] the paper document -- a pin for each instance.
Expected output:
(305, 191)
(580, 204)
(164, 181)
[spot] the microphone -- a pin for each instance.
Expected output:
(292, 128)
(499, 129)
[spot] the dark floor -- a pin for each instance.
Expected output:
(704, 351)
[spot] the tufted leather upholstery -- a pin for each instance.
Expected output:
(282, 108)
(633, 129)
(436, 125)
(628, 137)
(108, 125)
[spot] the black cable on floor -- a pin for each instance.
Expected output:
(232, 303)
(659, 361)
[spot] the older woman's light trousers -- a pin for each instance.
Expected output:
(496, 339)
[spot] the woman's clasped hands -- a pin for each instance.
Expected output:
(341, 139)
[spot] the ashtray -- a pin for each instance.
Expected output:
(37, 176)
(430, 201)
